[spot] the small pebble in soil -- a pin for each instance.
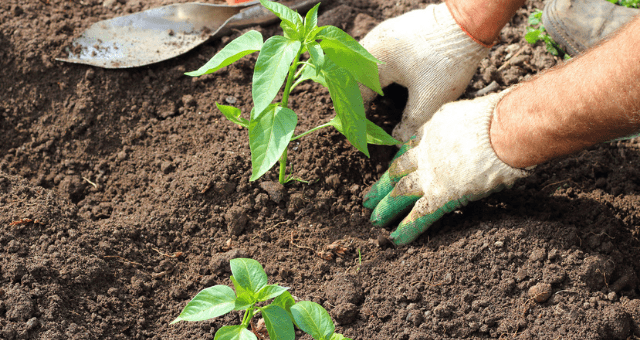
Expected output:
(499, 244)
(415, 318)
(274, 189)
(32, 324)
(540, 292)
(538, 254)
(443, 310)
(109, 3)
(167, 167)
(345, 313)
(333, 181)
(448, 279)
(383, 241)
(236, 218)
(189, 101)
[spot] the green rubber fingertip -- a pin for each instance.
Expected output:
(390, 208)
(386, 183)
(378, 191)
(412, 227)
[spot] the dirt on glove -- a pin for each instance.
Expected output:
(123, 193)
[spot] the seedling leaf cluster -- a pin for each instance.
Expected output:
(251, 289)
(626, 3)
(336, 60)
(536, 32)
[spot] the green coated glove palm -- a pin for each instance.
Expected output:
(449, 163)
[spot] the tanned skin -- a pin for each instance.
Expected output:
(483, 19)
(592, 98)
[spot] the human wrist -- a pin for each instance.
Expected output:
(483, 20)
(500, 139)
(517, 141)
(471, 24)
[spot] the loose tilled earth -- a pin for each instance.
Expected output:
(123, 193)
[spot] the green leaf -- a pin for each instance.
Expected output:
(208, 304)
(534, 18)
(347, 53)
(338, 336)
(240, 290)
(312, 319)
(285, 301)
(347, 101)
(337, 35)
(551, 46)
(375, 134)
(269, 292)
(308, 73)
(245, 44)
(269, 135)
(233, 114)
(317, 55)
(238, 332)
(284, 13)
(532, 37)
(249, 274)
(244, 301)
(271, 70)
(312, 35)
(278, 322)
(290, 31)
(311, 22)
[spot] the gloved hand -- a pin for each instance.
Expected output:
(429, 54)
(448, 164)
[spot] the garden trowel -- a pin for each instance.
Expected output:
(162, 33)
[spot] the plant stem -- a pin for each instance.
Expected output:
(248, 315)
(283, 168)
(310, 131)
(304, 65)
(290, 77)
(285, 102)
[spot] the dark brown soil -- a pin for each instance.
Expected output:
(125, 192)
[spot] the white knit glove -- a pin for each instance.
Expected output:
(429, 54)
(448, 164)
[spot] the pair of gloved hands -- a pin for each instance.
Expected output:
(447, 159)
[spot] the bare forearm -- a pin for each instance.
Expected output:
(591, 99)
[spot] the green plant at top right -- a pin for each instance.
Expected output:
(536, 32)
(626, 3)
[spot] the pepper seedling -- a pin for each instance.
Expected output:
(251, 288)
(337, 61)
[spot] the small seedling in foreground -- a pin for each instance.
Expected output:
(536, 32)
(250, 282)
(337, 61)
